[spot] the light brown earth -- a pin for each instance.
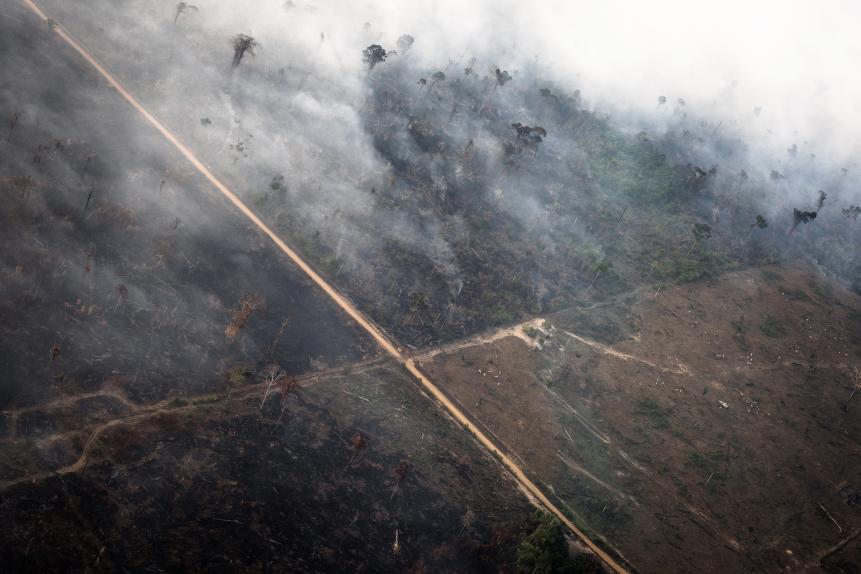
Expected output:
(709, 429)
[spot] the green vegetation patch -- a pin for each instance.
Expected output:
(545, 551)
(772, 326)
(657, 415)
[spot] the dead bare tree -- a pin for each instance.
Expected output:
(272, 374)
(89, 197)
(288, 385)
(400, 473)
(277, 336)
(856, 384)
(240, 315)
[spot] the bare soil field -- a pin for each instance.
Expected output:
(708, 429)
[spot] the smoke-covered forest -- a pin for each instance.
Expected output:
(294, 233)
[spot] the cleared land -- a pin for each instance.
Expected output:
(710, 429)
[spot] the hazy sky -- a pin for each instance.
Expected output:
(794, 59)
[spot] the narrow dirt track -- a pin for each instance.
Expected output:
(366, 324)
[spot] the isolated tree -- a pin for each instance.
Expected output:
(405, 42)
(239, 316)
(373, 55)
(419, 303)
(467, 520)
(800, 217)
(701, 233)
(89, 197)
(13, 121)
(40, 152)
(526, 138)
(437, 77)
(288, 385)
(359, 442)
(662, 100)
(272, 374)
(422, 82)
(243, 43)
(821, 200)
(470, 67)
(759, 223)
(851, 212)
(856, 384)
(400, 474)
(122, 291)
(183, 8)
(502, 77)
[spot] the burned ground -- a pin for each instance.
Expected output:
(219, 482)
(119, 261)
(143, 323)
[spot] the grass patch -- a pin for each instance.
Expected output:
(698, 460)
(793, 294)
(658, 416)
(771, 276)
(238, 375)
(822, 290)
(531, 332)
(206, 400)
(686, 269)
(740, 334)
(772, 326)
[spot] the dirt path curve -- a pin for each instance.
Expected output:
(375, 332)
(141, 412)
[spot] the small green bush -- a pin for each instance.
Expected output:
(772, 327)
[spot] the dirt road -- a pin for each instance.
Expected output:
(366, 324)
